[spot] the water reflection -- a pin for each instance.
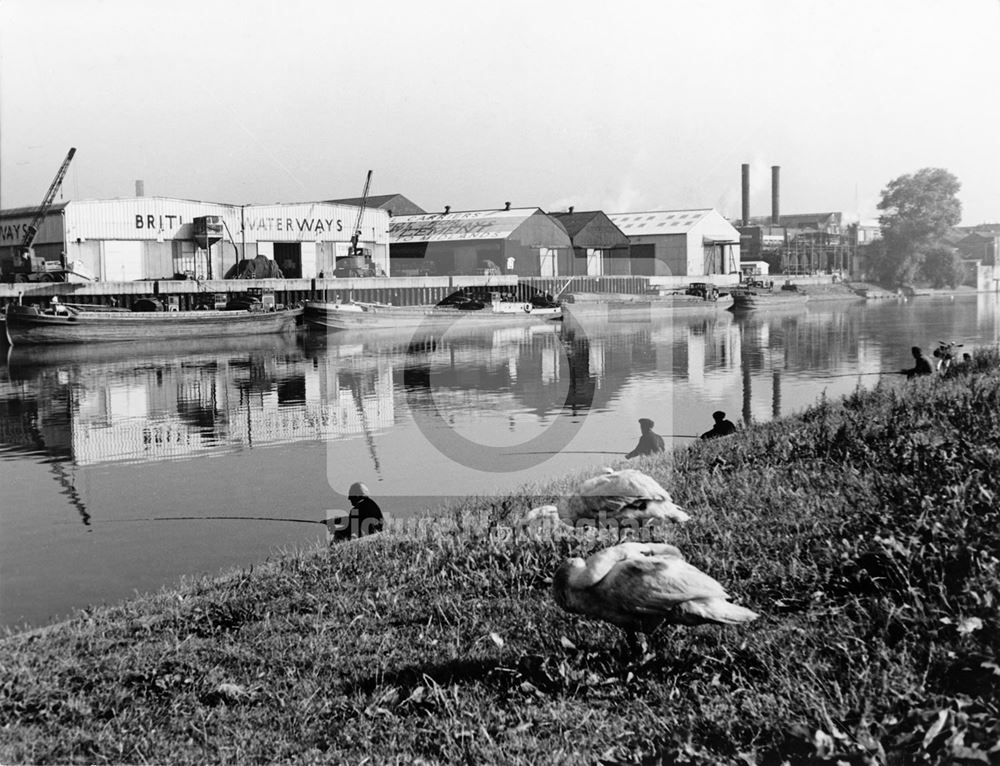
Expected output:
(117, 403)
(112, 433)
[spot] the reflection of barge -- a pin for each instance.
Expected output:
(359, 316)
(22, 360)
(68, 323)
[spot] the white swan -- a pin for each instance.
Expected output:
(639, 586)
(628, 497)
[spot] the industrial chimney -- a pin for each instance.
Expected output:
(746, 194)
(139, 191)
(775, 195)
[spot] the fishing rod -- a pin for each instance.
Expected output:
(208, 518)
(601, 451)
(331, 515)
(858, 374)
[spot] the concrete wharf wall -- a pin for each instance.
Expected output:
(400, 291)
(397, 290)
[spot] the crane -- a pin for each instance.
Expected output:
(361, 212)
(50, 195)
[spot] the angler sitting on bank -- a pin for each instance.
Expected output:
(921, 366)
(649, 442)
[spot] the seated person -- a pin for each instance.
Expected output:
(722, 427)
(649, 442)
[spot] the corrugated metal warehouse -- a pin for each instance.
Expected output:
(523, 241)
(599, 247)
(680, 242)
(155, 237)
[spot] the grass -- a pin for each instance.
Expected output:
(865, 531)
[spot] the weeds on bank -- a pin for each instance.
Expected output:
(866, 531)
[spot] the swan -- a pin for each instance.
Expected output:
(640, 586)
(628, 497)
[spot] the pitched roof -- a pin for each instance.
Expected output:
(28, 212)
(469, 224)
(574, 222)
(393, 202)
(591, 228)
(658, 221)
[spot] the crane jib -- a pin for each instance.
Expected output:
(32, 228)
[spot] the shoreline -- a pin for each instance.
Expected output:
(864, 530)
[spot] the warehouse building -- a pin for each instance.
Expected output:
(522, 241)
(680, 242)
(120, 240)
(599, 247)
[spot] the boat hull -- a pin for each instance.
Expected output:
(360, 316)
(751, 301)
(27, 325)
(639, 306)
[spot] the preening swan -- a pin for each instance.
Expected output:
(639, 586)
(628, 497)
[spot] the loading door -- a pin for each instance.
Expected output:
(122, 261)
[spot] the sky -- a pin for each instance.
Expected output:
(625, 106)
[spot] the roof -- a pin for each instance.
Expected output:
(29, 212)
(592, 228)
(469, 224)
(574, 222)
(393, 202)
(658, 222)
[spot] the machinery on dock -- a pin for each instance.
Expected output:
(358, 262)
(28, 267)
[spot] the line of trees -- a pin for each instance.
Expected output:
(918, 210)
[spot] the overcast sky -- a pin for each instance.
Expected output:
(620, 106)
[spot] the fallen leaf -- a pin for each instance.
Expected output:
(969, 624)
(935, 728)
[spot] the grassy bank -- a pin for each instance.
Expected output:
(866, 532)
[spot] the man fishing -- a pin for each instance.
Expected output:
(649, 442)
(721, 427)
(921, 365)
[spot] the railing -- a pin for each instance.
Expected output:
(565, 285)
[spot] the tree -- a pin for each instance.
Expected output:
(942, 266)
(918, 210)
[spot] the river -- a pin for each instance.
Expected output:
(118, 463)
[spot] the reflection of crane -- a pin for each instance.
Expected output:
(360, 405)
(50, 195)
(361, 211)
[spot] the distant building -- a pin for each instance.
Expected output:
(393, 204)
(828, 223)
(599, 247)
(523, 241)
(980, 246)
(806, 243)
(680, 242)
(121, 240)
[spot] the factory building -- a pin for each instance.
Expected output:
(120, 240)
(522, 241)
(599, 247)
(680, 242)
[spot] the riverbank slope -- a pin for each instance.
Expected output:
(866, 532)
